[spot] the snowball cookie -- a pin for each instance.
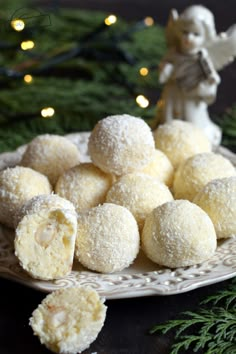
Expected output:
(42, 202)
(50, 155)
(45, 243)
(68, 320)
(121, 144)
(218, 200)
(194, 173)
(107, 238)
(178, 234)
(180, 140)
(85, 185)
(17, 185)
(160, 167)
(139, 193)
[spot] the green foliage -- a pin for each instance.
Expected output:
(103, 79)
(211, 328)
(100, 80)
(228, 124)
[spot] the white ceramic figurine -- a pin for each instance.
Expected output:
(189, 71)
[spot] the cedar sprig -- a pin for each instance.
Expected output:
(211, 328)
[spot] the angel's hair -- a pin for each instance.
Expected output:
(199, 13)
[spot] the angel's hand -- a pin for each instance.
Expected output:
(207, 91)
(165, 72)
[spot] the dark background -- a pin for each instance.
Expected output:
(128, 320)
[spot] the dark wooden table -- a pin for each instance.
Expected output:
(126, 330)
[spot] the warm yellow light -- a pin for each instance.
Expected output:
(142, 101)
(144, 71)
(110, 20)
(47, 112)
(18, 25)
(27, 45)
(148, 21)
(28, 78)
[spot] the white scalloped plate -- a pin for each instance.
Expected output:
(142, 278)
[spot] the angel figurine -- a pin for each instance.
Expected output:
(189, 71)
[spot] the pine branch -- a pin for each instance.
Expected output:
(210, 329)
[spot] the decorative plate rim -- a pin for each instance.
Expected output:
(142, 278)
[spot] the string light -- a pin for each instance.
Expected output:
(47, 112)
(110, 20)
(148, 21)
(143, 71)
(18, 25)
(28, 78)
(142, 101)
(25, 45)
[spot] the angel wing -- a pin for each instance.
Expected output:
(222, 50)
(170, 30)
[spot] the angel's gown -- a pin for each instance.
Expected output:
(186, 96)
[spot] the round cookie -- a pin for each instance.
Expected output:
(180, 140)
(178, 234)
(194, 173)
(51, 155)
(139, 193)
(160, 167)
(121, 144)
(218, 200)
(68, 320)
(107, 238)
(45, 243)
(17, 185)
(42, 202)
(85, 185)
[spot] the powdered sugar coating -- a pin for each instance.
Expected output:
(85, 185)
(178, 234)
(218, 200)
(17, 185)
(180, 140)
(51, 155)
(42, 202)
(194, 173)
(121, 144)
(68, 320)
(139, 193)
(107, 238)
(160, 167)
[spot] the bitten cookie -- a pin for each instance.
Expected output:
(107, 239)
(84, 185)
(43, 202)
(218, 200)
(51, 155)
(194, 173)
(45, 243)
(178, 234)
(17, 185)
(69, 320)
(121, 144)
(180, 140)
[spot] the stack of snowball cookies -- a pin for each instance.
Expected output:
(165, 192)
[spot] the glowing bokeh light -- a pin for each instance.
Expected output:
(142, 101)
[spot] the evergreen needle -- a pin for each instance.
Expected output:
(212, 329)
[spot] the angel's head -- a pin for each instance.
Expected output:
(195, 28)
